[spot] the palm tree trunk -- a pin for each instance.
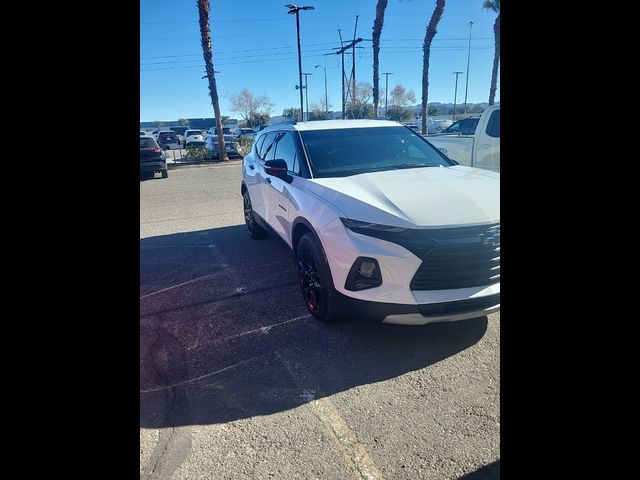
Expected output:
(496, 61)
(205, 35)
(381, 6)
(431, 32)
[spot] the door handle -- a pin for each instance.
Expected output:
(251, 166)
(268, 180)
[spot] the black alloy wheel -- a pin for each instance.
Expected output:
(253, 229)
(316, 283)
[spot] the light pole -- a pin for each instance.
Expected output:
(326, 99)
(386, 93)
(306, 87)
(294, 9)
(455, 95)
(466, 88)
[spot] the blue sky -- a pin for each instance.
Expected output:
(254, 47)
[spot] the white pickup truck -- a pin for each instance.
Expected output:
(480, 150)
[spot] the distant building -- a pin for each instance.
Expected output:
(202, 123)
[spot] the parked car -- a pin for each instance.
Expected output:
(433, 126)
(142, 134)
(180, 132)
(244, 132)
(259, 128)
(231, 146)
(381, 223)
(481, 148)
(154, 134)
(152, 158)
(167, 139)
(212, 131)
(193, 138)
(466, 126)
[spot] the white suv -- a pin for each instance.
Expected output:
(194, 138)
(381, 223)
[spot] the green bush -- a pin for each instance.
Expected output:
(199, 154)
(244, 145)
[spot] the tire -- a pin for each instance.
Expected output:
(165, 174)
(315, 280)
(254, 230)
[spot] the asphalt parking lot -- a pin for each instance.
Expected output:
(237, 381)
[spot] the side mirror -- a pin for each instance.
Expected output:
(277, 168)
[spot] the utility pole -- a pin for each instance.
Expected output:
(306, 87)
(295, 10)
(340, 51)
(342, 55)
(353, 63)
(466, 88)
(386, 94)
(345, 91)
(455, 95)
(326, 99)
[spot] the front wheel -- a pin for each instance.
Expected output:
(165, 174)
(316, 283)
(254, 230)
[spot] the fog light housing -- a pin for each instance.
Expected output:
(365, 273)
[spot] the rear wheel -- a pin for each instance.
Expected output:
(254, 230)
(316, 283)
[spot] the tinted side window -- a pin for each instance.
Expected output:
(267, 145)
(493, 127)
(286, 150)
(257, 144)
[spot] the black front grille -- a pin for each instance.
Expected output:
(466, 258)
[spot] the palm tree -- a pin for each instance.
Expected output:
(381, 6)
(205, 39)
(495, 6)
(426, 48)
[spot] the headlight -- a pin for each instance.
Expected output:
(356, 225)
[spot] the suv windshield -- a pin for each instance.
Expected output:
(193, 132)
(350, 151)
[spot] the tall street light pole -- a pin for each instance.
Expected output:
(466, 88)
(386, 93)
(455, 94)
(294, 9)
(306, 87)
(326, 99)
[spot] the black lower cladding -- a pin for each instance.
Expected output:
(378, 311)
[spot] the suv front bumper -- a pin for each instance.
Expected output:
(420, 314)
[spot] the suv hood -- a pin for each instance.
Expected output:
(423, 197)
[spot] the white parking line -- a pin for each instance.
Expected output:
(263, 330)
(176, 286)
(355, 456)
(191, 380)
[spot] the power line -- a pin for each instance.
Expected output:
(165, 22)
(385, 48)
(235, 51)
(243, 56)
(284, 58)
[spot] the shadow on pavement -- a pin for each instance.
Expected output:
(488, 472)
(224, 334)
